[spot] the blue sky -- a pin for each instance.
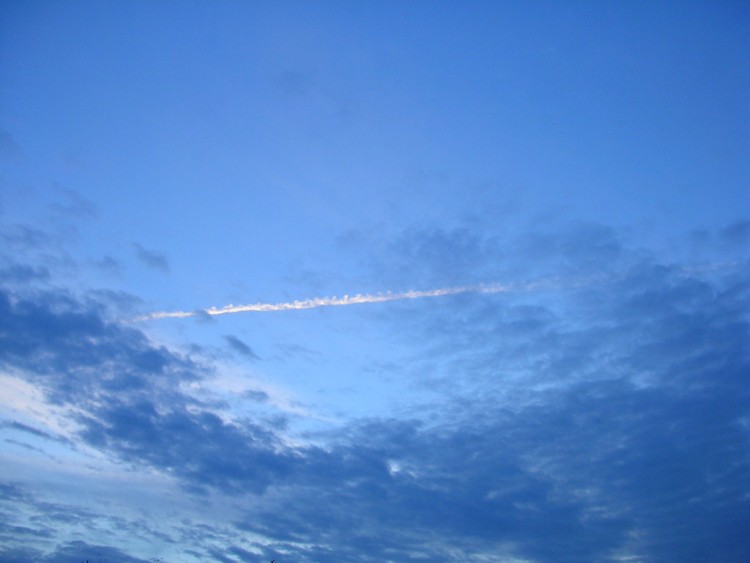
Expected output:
(503, 249)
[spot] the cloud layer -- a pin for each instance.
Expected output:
(610, 422)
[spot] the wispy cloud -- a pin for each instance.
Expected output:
(555, 283)
(240, 347)
(151, 259)
(575, 417)
(362, 298)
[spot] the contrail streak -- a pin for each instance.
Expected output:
(359, 298)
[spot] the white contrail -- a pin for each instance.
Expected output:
(314, 303)
(349, 300)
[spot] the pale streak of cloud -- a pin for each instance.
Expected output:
(357, 299)
(360, 298)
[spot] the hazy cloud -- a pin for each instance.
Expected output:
(109, 265)
(73, 205)
(9, 149)
(737, 233)
(240, 347)
(18, 273)
(152, 259)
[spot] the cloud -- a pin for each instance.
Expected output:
(610, 420)
(126, 395)
(9, 149)
(109, 265)
(59, 343)
(21, 238)
(360, 299)
(73, 205)
(257, 396)
(198, 447)
(580, 256)
(602, 464)
(71, 551)
(606, 422)
(239, 346)
(738, 233)
(152, 259)
(293, 84)
(25, 428)
(18, 274)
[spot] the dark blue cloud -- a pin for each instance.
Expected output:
(199, 448)
(610, 421)
(737, 233)
(625, 433)
(257, 396)
(109, 265)
(23, 274)
(601, 468)
(21, 237)
(240, 347)
(152, 259)
(9, 149)
(73, 205)
(127, 389)
(72, 352)
(73, 551)
(26, 429)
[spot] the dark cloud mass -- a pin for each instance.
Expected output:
(127, 390)
(608, 425)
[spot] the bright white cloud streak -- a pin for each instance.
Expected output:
(359, 298)
(354, 299)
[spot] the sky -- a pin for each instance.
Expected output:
(374, 281)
